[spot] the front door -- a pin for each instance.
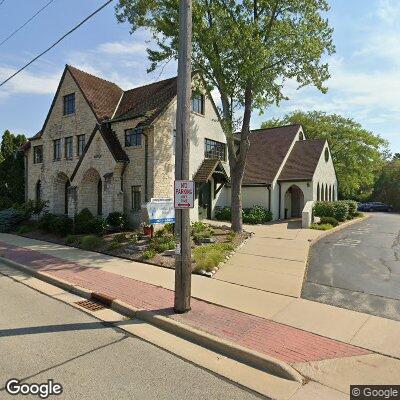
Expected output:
(205, 200)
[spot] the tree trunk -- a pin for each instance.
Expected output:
(236, 201)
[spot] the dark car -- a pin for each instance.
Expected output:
(374, 206)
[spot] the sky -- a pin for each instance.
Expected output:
(365, 70)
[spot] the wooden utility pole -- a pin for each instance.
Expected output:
(183, 260)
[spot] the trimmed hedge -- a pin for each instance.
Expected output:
(329, 220)
(332, 209)
(253, 215)
(117, 220)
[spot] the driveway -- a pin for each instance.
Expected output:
(273, 260)
(358, 268)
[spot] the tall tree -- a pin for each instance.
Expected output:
(387, 186)
(357, 153)
(11, 169)
(245, 50)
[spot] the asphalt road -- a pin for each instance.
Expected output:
(42, 338)
(358, 267)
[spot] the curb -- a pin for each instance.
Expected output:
(339, 228)
(246, 356)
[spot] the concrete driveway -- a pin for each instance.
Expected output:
(273, 260)
(358, 267)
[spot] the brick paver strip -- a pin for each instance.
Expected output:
(265, 336)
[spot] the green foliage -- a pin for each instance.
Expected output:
(167, 229)
(25, 229)
(200, 231)
(12, 173)
(47, 222)
(223, 214)
(114, 245)
(91, 242)
(148, 254)
(352, 207)
(256, 215)
(209, 256)
(134, 238)
(387, 186)
(59, 225)
(32, 207)
(117, 220)
(245, 50)
(341, 210)
(329, 220)
(82, 221)
(119, 238)
(357, 153)
(334, 209)
(10, 219)
(162, 243)
(5, 203)
(231, 236)
(321, 227)
(72, 239)
(98, 226)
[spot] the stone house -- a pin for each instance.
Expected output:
(109, 150)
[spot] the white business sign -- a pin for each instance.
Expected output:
(161, 211)
(184, 194)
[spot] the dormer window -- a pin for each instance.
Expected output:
(133, 137)
(69, 104)
(198, 103)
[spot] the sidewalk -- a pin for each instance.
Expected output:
(314, 338)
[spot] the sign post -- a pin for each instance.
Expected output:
(183, 194)
(183, 259)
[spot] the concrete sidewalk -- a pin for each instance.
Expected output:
(275, 333)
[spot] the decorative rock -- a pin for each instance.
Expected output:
(139, 247)
(169, 253)
(207, 240)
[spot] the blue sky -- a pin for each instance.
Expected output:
(365, 82)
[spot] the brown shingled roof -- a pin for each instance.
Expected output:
(207, 168)
(103, 96)
(303, 160)
(147, 101)
(268, 148)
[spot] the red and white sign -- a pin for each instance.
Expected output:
(183, 194)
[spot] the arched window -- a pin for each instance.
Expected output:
(318, 193)
(322, 193)
(333, 193)
(67, 185)
(326, 192)
(326, 155)
(100, 197)
(330, 193)
(38, 192)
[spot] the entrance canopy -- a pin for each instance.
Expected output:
(211, 168)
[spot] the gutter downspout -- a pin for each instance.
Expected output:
(269, 197)
(280, 199)
(146, 157)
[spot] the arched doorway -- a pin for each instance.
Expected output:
(60, 197)
(90, 192)
(294, 202)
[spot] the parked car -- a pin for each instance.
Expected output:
(374, 206)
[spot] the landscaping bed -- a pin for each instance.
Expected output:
(211, 245)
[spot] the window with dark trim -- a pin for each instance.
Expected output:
(136, 198)
(133, 137)
(68, 147)
(198, 103)
(214, 149)
(81, 143)
(38, 154)
(69, 104)
(57, 149)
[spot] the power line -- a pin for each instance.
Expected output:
(25, 23)
(55, 43)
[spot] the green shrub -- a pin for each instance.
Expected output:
(200, 230)
(148, 254)
(329, 220)
(167, 229)
(119, 238)
(256, 215)
(231, 236)
(321, 227)
(5, 203)
(25, 229)
(358, 214)
(117, 220)
(114, 245)
(72, 239)
(134, 238)
(341, 210)
(47, 222)
(62, 226)
(10, 219)
(98, 226)
(162, 243)
(209, 256)
(352, 207)
(324, 209)
(82, 221)
(31, 207)
(91, 242)
(223, 214)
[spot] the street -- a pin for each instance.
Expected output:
(42, 338)
(358, 267)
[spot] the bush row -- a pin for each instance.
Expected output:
(339, 210)
(253, 215)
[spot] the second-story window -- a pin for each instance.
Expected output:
(198, 103)
(133, 137)
(69, 104)
(81, 142)
(68, 148)
(57, 149)
(37, 154)
(214, 149)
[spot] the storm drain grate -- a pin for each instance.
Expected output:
(90, 305)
